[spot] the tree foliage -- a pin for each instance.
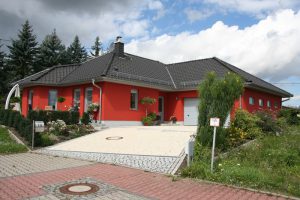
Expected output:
(52, 52)
(3, 75)
(76, 53)
(23, 52)
(97, 48)
(217, 96)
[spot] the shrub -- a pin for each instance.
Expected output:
(85, 118)
(247, 123)
(147, 121)
(57, 127)
(46, 140)
(290, 115)
(267, 121)
(47, 116)
(217, 96)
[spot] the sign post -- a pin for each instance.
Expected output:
(215, 122)
(37, 126)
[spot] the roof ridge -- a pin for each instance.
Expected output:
(146, 58)
(190, 61)
(229, 66)
(104, 73)
(76, 66)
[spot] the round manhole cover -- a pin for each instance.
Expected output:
(79, 189)
(114, 138)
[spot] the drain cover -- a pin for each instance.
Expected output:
(114, 138)
(79, 189)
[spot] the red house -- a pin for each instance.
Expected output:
(117, 81)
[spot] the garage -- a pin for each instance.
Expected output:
(191, 111)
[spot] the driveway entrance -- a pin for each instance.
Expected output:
(153, 148)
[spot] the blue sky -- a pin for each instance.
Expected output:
(259, 36)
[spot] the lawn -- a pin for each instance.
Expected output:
(271, 163)
(8, 145)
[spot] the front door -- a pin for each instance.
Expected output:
(161, 108)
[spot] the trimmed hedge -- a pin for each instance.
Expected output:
(47, 116)
(21, 124)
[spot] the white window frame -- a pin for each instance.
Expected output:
(134, 91)
(49, 92)
(253, 102)
(261, 102)
(86, 103)
(75, 102)
(30, 99)
(269, 104)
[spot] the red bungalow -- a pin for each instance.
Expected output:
(117, 81)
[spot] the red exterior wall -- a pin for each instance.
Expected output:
(257, 95)
(174, 103)
(116, 100)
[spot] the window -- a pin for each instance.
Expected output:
(251, 101)
(30, 99)
(261, 102)
(133, 100)
(88, 98)
(76, 98)
(269, 104)
(52, 99)
(276, 104)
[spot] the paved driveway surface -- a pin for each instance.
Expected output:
(153, 148)
(114, 182)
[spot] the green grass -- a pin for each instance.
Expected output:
(272, 163)
(8, 145)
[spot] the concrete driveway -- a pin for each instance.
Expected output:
(153, 148)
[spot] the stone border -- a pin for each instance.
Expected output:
(158, 164)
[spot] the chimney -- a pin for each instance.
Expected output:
(119, 47)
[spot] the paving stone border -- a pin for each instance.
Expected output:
(159, 164)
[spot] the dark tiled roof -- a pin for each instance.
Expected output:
(135, 69)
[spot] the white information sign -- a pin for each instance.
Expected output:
(215, 122)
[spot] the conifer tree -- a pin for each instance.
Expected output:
(75, 52)
(23, 53)
(52, 52)
(97, 47)
(3, 74)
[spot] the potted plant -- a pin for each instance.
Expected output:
(94, 107)
(61, 99)
(147, 121)
(173, 119)
(147, 101)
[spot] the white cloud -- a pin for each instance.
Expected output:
(196, 15)
(158, 6)
(269, 48)
(106, 19)
(258, 8)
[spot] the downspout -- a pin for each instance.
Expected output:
(100, 100)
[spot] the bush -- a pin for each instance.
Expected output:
(267, 121)
(147, 121)
(290, 115)
(46, 140)
(85, 118)
(57, 127)
(47, 116)
(247, 124)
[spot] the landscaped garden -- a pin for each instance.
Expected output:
(59, 126)
(9, 145)
(258, 150)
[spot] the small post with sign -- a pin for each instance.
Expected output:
(37, 126)
(215, 122)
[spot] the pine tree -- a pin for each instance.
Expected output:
(52, 52)
(97, 47)
(75, 52)
(23, 53)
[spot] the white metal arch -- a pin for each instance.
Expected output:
(15, 89)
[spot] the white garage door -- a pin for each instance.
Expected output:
(191, 111)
